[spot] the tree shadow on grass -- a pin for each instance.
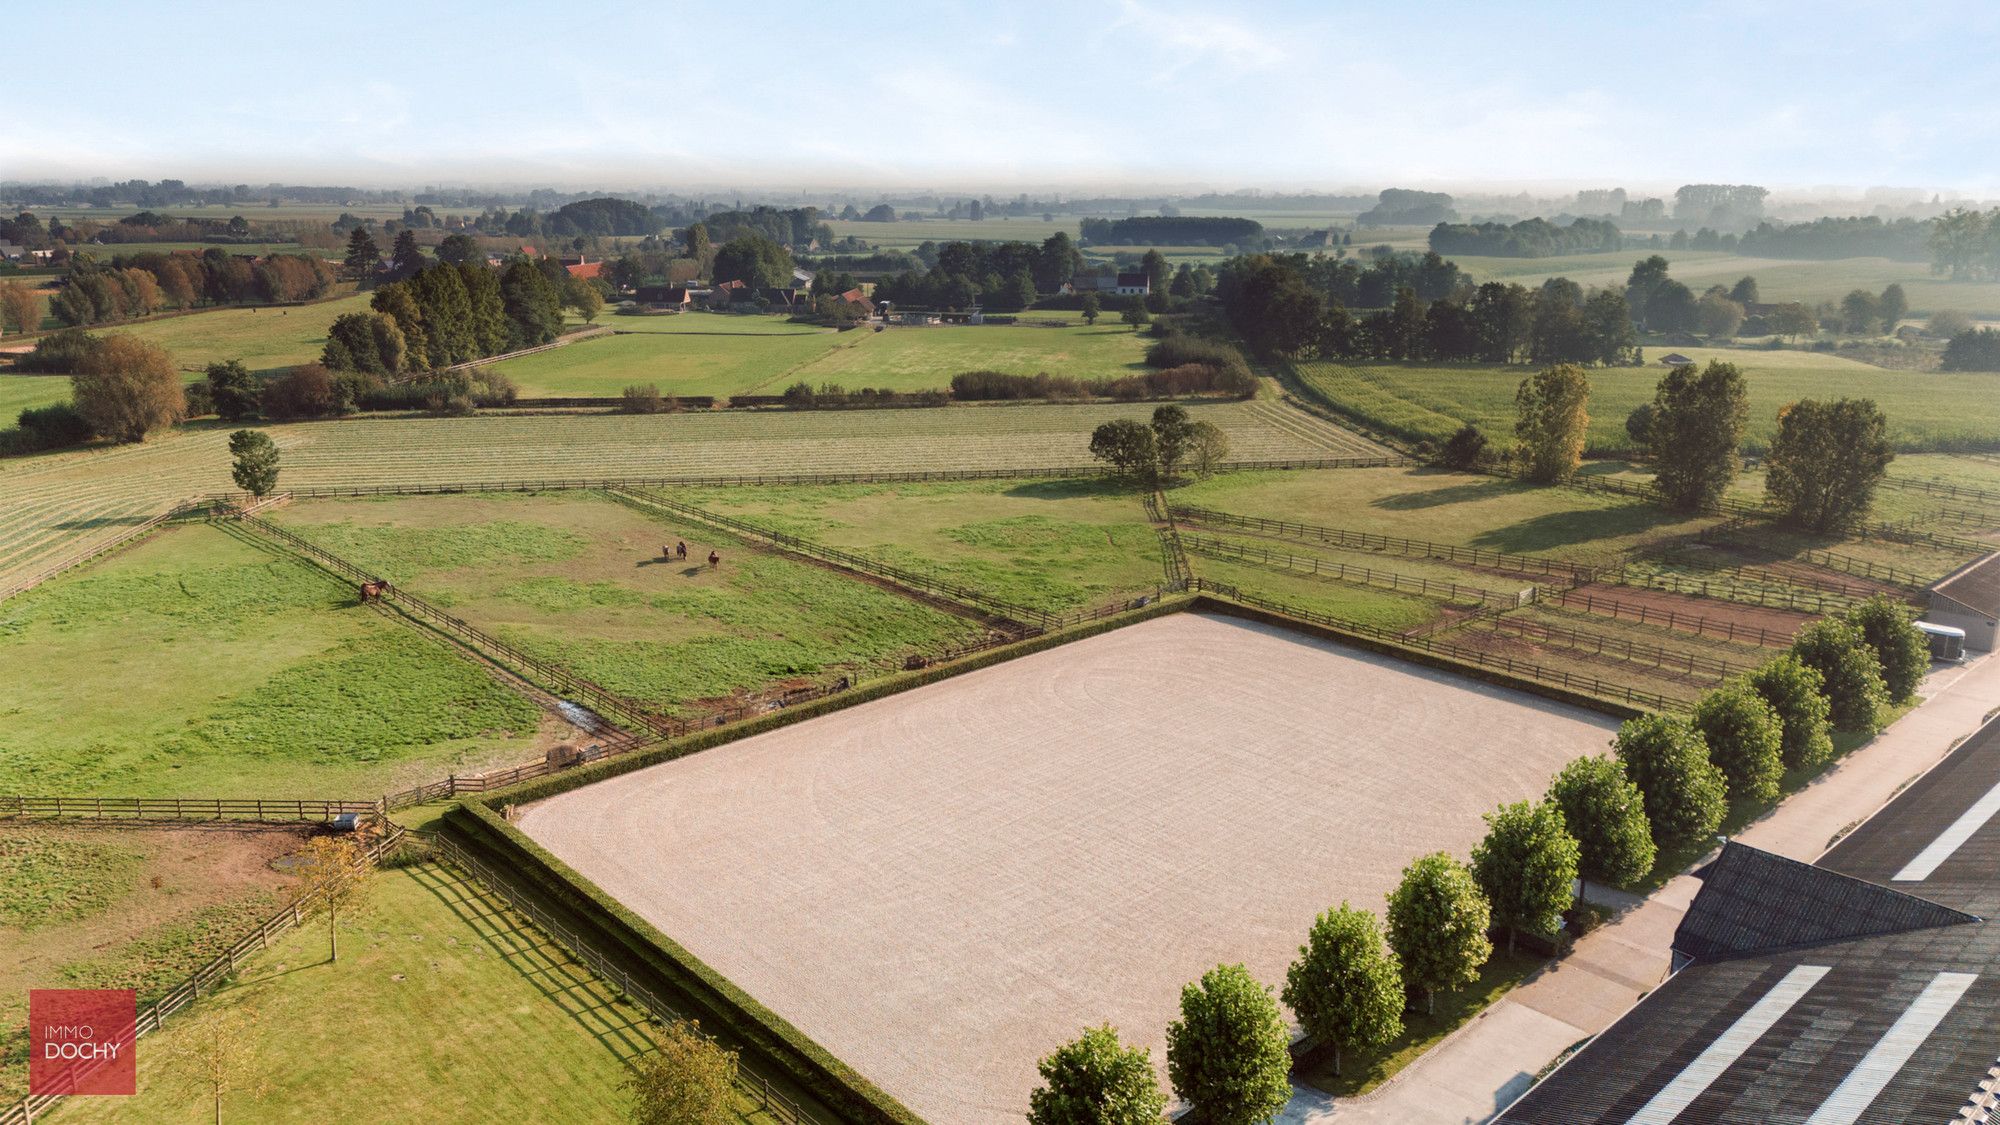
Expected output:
(1437, 497)
(100, 522)
(1072, 488)
(1570, 529)
(622, 1029)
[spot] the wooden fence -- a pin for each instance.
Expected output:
(1389, 544)
(269, 811)
(756, 1087)
(1938, 488)
(208, 977)
(1596, 644)
(84, 555)
(1354, 575)
(1593, 602)
(1724, 587)
(1464, 654)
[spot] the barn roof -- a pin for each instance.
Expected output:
(1754, 901)
(1976, 587)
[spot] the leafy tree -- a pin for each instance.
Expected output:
(1685, 794)
(699, 246)
(755, 261)
(1855, 693)
(1973, 350)
(19, 309)
(1438, 920)
(1096, 1080)
(126, 387)
(1696, 428)
(1154, 265)
(405, 258)
(1796, 694)
(1607, 815)
(362, 254)
(1135, 314)
(585, 299)
(1745, 741)
(232, 389)
(1894, 305)
(1172, 431)
(531, 304)
(690, 1080)
(1056, 262)
(1207, 448)
(1554, 420)
(333, 874)
(1826, 460)
(1347, 986)
(1227, 1053)
(1129, 447)
(368, 341)
(255, 467)
(213, 1054)
(1639, 425)
(1526, 866)
(1793, 320)
(1958, 240)
(1744, 292)
(1465, 448)
(1947, 323)
(1860, 312)
(459, 249)
(1899, 646)
(1091, 306)
(1717, 315)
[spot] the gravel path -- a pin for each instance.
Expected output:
(941, 886)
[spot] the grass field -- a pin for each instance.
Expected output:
(464, 1012)
(766, 359)
(96, 906)
(577, 579)
(1486, 512)
(1056, 545)
(51, 502)
(704, 323)
(265, 339)
(199, 664)
(19, 392)
(1925, 410)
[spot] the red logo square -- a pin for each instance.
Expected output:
(81, 1041)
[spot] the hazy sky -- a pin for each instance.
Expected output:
(1110, 92)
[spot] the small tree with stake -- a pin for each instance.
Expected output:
(1347, 986)
(214, 1054)
(256, 462)
(333, 873)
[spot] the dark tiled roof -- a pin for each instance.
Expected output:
(1976, 586)
(1752, 901)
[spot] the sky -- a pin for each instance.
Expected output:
(1094, 93)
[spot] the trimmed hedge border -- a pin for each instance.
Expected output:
(772, 1041)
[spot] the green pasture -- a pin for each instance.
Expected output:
(685, 363)
(578, 579)
(19, 392)
(198, 663)
(705, 324)
(1490, 513)
(264, 338)
(908, 234)
(1056, 545)
(1926, 410)
(927, 358)
(461, 1012)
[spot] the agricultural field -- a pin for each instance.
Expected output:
(265, 339)
(1932, 410)
(465, 1011)
(50, 503)
(577, 579)
(1489, 513)
(199, 663)
(90, 906)
(1056, 545)
(927, 358)
(683, 363)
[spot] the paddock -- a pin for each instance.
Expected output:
(941, 886)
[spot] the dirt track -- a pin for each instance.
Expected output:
(941, 886)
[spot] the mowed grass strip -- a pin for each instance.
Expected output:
(465, 1013)
(197, 663)
(1490, 513)
(684, 363)
(1926, 410)
(926, 358)
(1056, 545)
(578, 579)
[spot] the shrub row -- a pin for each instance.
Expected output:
(1186, 379)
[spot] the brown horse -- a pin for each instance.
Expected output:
(714, 560)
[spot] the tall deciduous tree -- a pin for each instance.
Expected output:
(126, 388)
(20, 311)
(1607, 815)
(1526, 866)
(1172, 432)
(1096, 1080)
(1796, 693)
(1227, 1053)
(1438, 920)
(1696, 427)
(1826, 460)
(690, 1080)
(1127, 446)
(1554, 418)
(1854, 689)
(1899, 646)
(1090, 305)
(254, 465)
(1745, 741)
(232, 389)
(1347, 985)
(1894, 305)
(1686, 795)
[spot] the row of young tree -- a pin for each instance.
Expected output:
(1665, 789)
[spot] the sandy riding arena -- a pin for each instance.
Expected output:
(941, 886)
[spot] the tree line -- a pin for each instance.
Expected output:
(139, 285)
(1172, 230)
(1529, 238)
(1663, 791)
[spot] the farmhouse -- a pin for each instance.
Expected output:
(1675, 359)
(665, 296)
(1969, 599)
(1860, 988)
(1134, 284)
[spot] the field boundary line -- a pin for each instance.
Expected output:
(153, 1016)
(101, 547)
(1356, 575)
(170, 810)
(1420, 548)
(593, 332)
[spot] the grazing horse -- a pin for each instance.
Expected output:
(681, 550)
(714, 560)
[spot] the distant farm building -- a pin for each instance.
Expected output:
(583, 267)
(665, 296)
(913, 316)
(1675, 359)
(1135, 284)
(1969, 599)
